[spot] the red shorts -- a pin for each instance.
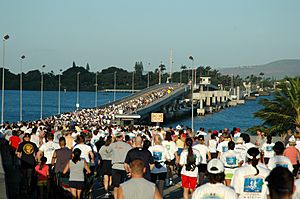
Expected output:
(188, 182)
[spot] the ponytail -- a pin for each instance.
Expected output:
(253, 157)
(254, 163)
(190, 163)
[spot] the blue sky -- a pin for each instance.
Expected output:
(119, 33)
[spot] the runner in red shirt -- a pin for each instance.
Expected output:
(14, 141)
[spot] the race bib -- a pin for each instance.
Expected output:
(157, 156)
(231, 161)
(269, 148)
(253, 185)
(224, 149)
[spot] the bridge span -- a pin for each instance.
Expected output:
(139, 106)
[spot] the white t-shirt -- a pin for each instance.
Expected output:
(268, 150)
(85, 150)
(223, 147)
(248, 185)
(171, 147)
(231, 160)
(249, 145)
(280, 161)
(212, 145)
(214, 191)
(160, 154)
(35, 139)
(183, 161)
(242, 150)
(48, 149)
(203, 149)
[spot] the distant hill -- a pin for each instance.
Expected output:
(277, 69)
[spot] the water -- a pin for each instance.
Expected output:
(32, 103)
(239, 116)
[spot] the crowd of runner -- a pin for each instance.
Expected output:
(58, 158)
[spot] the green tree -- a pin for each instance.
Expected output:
(138, 67)
(74, 65)
(283, 111)
(87, 67)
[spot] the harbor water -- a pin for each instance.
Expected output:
(238, 116)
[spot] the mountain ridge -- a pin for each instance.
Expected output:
(277, 69)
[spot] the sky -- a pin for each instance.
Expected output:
(119, 33)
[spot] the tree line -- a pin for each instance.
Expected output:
(105, 78)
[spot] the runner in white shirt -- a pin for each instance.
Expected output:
(189, 159)
(247, 142)
(86, 150)
(281, 183)
(279, 159)
(212, 145)
(204, 151)
(267, 149)
(240, 148)
(160, 155)
(215, 188)
(223, 146)
(231, 160)
(48, 148)
(172, 149)
(249, 181)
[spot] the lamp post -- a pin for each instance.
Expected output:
(6, 37)
(59, 85)
(115, 84)
(77, 101)
(148, 84)
(192, 83)
(96, 90)
(21, 87)
(42, 90)
(132, 83)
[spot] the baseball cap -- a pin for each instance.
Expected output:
(178, 127)
(215, 166)
(118, 134)
(292, 139)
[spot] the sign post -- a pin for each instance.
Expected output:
(157, 118)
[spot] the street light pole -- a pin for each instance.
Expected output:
(21, 88)
(77, 101)
(132, 83)
(192, 83)
(115, 84)
(6, 37)
(96, 90)
(148, 85)
(59, 85)
(42, 89)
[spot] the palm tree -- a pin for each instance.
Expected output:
(183, 67)
(283, 111)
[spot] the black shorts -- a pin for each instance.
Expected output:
(158, 176)
(76, 184)
(202, 168)
(118, 177)
(106, 168)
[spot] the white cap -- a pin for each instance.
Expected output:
(292, 139)
(178, 127)
(215, 166)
